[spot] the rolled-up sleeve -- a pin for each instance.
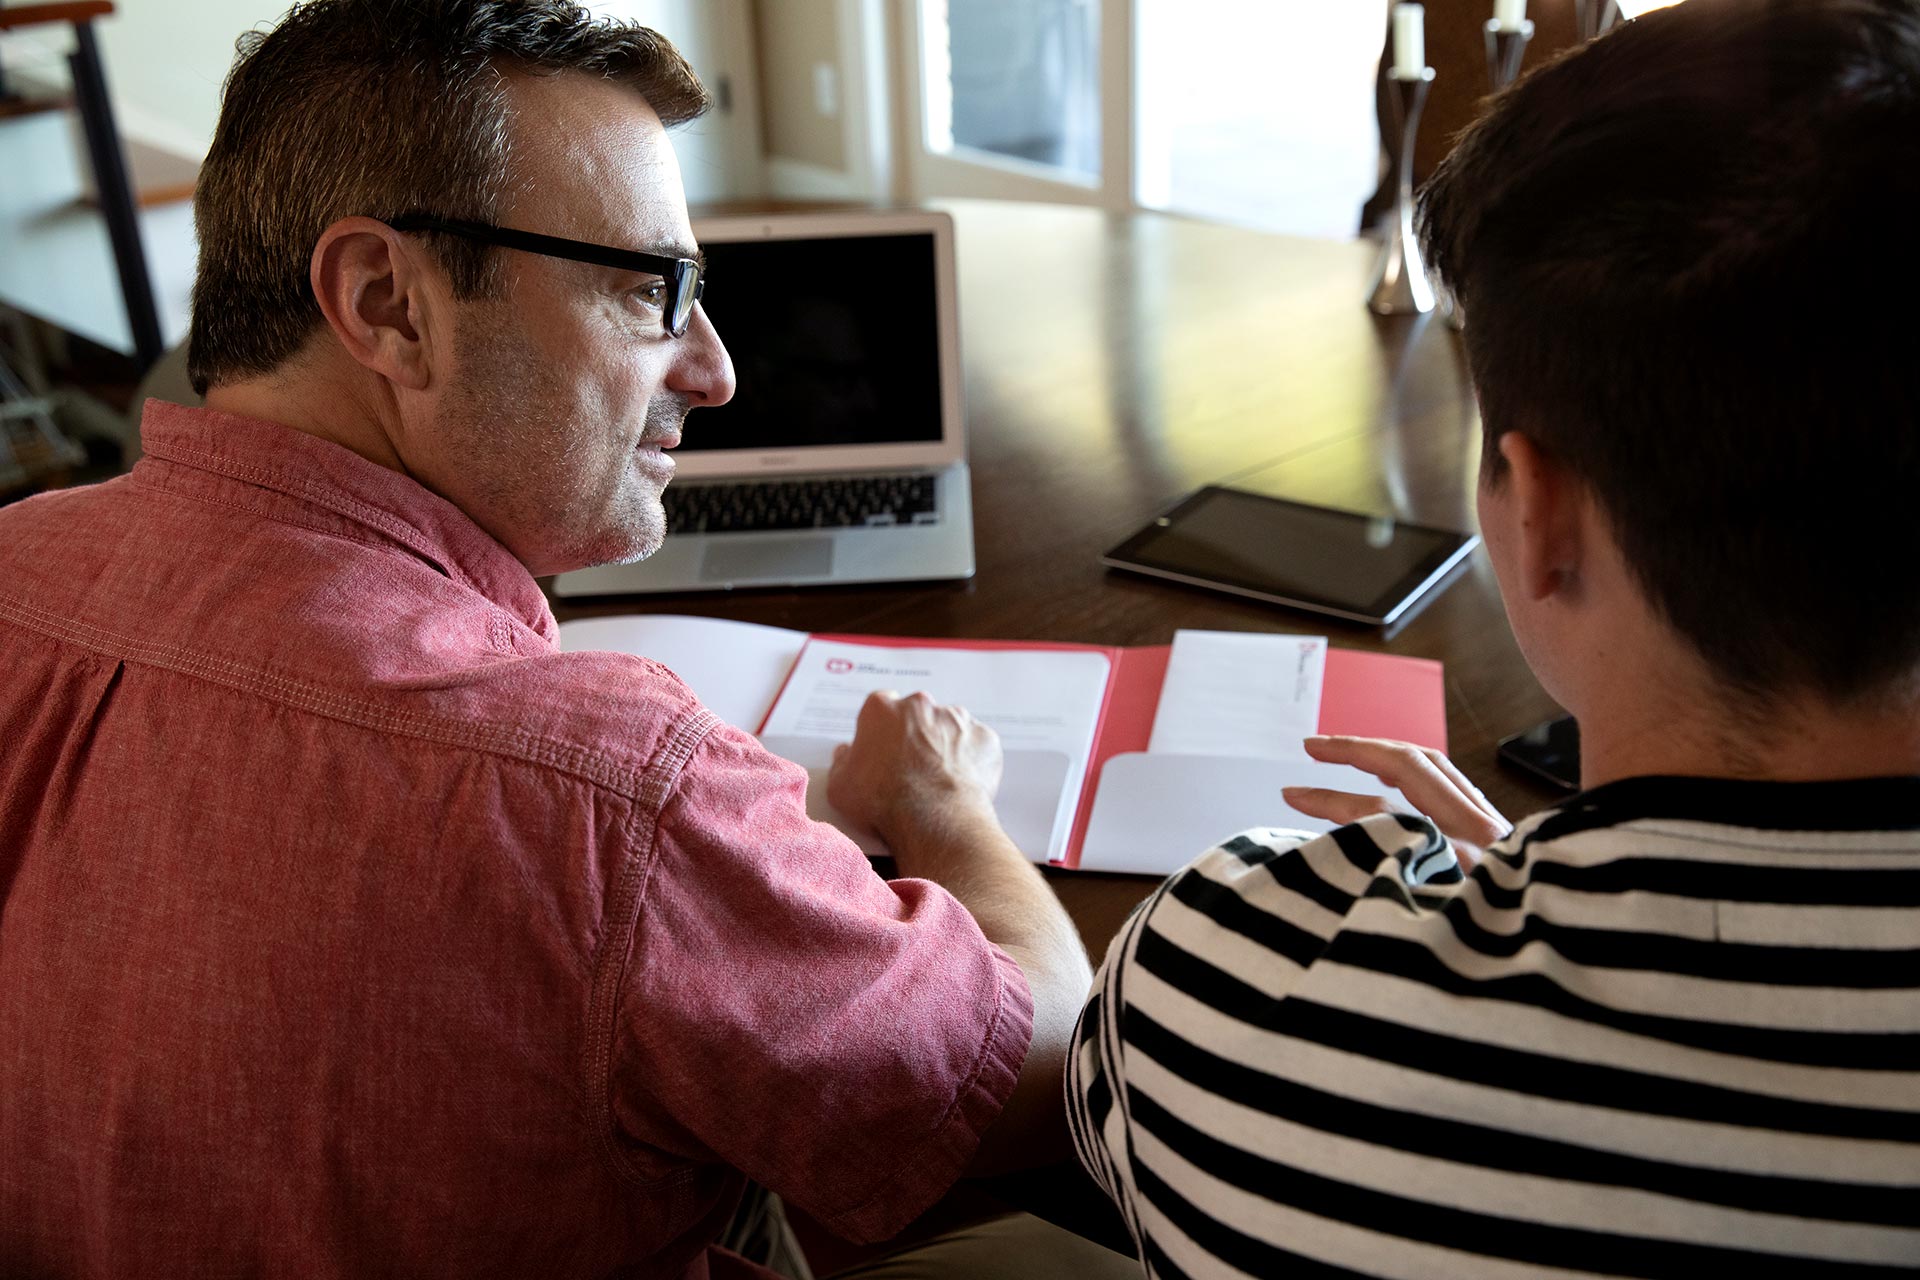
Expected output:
(841, 1039)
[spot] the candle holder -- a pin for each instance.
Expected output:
(1594, 16)
(1402, 285)
(1506, 47)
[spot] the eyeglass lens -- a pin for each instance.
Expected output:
(686, 292)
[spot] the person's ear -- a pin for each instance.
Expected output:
(1550, 508)
(375, 289)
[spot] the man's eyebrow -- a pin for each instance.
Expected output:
(676, 249)
(658, 248)
(671, 249)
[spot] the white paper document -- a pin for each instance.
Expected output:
(1226, 733)
(1153, 814)
(1044, 704)
(1234, 693)
(734, 668)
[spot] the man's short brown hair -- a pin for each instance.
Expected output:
(1677, 249)
(379, 108)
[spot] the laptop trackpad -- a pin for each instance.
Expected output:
(776, 560)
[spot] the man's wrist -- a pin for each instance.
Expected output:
(959, 827)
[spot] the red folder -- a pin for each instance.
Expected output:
(1369, 695)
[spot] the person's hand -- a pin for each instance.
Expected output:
(1431, 783)
(913, 765)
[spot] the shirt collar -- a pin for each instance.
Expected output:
(310, 472)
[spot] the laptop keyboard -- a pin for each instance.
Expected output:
(842, 502)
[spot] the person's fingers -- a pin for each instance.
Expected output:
(1412, 771)
(839, 753)
(1473, 793)
(1382, 757)
(1398, 764)
(1474, 828)
(1334, 806)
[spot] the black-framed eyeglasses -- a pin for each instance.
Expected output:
(685, 282)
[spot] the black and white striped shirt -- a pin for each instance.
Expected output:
(1671, 1028)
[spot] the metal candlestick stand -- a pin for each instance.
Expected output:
(1505, 49)
(1402, 285)
(1594, 16)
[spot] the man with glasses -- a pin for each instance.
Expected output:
(348, 928)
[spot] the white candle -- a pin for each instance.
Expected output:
(1509, 14)
(1409, 41)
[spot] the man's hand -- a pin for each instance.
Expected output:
(914, 765)
(1431, 783)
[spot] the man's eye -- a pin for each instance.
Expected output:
(652, 294)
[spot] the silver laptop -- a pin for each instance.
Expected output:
(842, 456)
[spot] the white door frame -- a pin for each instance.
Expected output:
(866, 99)
(721, 154)
(926, 174)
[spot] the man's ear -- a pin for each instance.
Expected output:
(375, 290)
(1550, 508)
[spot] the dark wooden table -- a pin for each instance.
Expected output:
(1114, 363)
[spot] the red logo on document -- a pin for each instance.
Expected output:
(839, 666)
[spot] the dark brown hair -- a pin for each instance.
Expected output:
(1676, 249)
(381, 108)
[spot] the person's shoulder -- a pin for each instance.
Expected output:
(52, 526)
(1297, 889)
(1403, 846)
(621, 678)
(599, 701)
(613, 720)
(631, 713)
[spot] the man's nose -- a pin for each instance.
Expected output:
(703, 371)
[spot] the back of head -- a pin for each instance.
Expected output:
(379, 108)
(1678, 254)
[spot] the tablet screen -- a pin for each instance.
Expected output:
(1367, 568)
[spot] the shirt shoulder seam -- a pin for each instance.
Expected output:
(570, 758)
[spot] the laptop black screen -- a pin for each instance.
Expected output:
(834, 342)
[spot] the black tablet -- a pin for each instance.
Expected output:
(1366, 568)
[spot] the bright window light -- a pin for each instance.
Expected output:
(1634, 8)
(1258, 112)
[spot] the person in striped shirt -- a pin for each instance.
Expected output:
(1672, 1026)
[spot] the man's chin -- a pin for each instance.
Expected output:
(628, 544)
(634, 542)
(632, 556)
(628, 551)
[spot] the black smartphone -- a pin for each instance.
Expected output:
(1550, 751)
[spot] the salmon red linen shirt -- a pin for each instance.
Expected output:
(347, 928)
